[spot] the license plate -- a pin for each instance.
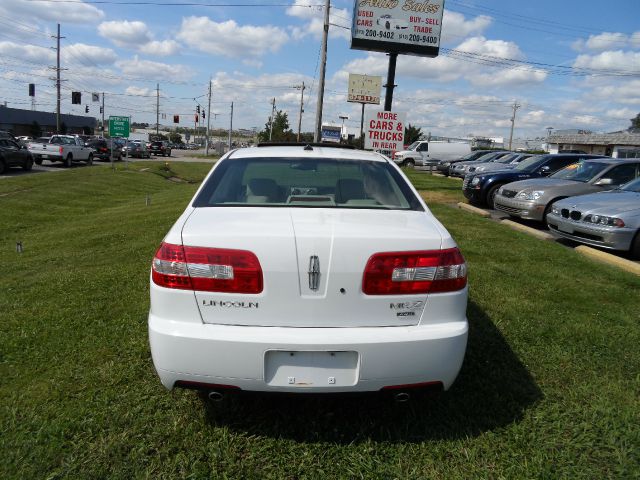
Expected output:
(310, 369)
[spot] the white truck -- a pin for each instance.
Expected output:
(61, 148)
(426, 153)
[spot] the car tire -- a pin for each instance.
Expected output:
(90, 159)
(3, 167)
(491, 195)
(68, 162)
(410, 162)
(28, 165)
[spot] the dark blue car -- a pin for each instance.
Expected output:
(482, 188)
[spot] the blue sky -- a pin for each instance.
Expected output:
(578, 62)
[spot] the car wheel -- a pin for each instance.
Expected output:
(68, 161)
(28, 165)
(90, 159)
(119, 159)
(491, 195)
(635, 246)
(38, 161)
(409, 163)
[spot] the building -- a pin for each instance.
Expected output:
(617, 144)
(33, 123)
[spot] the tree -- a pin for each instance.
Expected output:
(175, 138)
(35, 130)
(635, 124)
(281, 131)
(411, 134)
(63, 128)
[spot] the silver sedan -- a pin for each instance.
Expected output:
(608, 220)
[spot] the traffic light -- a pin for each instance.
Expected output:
(198, 109)
(76, 98)
(203, 115)
(196, 118)
(101, 110)
(176, 119)
(32, 89)
(86, 109)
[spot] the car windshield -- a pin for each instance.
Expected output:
(413, 146)
(632, 186)
(506, 158)
(530, 163)
(470, 155)
(303, 182)
(582, 171)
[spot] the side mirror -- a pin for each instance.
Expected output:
(546, 170)
(604, 181)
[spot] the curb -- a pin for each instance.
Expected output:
(531, 231)
(472, 209)
(612, 260)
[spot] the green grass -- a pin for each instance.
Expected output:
(550, 386)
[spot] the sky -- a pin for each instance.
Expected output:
(570, 64)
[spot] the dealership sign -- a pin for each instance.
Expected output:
(330, 133)
(384, 130)
(364, 89)
(397, 26)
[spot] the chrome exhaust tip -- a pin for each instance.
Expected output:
(402, 397)
(215, 396)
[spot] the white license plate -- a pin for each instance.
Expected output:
(310, 369)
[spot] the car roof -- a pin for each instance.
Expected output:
(611, 160)
(307, 151)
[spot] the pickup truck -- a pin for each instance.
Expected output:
(60, 148)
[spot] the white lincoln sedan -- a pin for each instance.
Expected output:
(307, 269)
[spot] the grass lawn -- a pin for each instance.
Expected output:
(550, 387)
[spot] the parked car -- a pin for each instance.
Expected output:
(61, 148)
(608, 220)
(136, 148)
(307, 269)
(532, 199)
(160, 147)
(102, 149)
(460, 169)
(505, 163)
(482, 188)
(12, 154)
(426, 153)
(443, 165)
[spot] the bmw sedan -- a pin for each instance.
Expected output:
(307, 270)
(608, 220)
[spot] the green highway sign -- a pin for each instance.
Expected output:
(119, 127)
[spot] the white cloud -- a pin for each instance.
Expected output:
(29, 53)
(586, 120)
(137, 91)
(456, 26)
(162, 48)
(309, 11)
(621, 113)
(230, 39)
(125, 34)
(76, 12)
(612, 60)
(156, 70)
(88, 54)
(513, 76)
(607, 41)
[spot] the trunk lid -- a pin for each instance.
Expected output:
(290, 242)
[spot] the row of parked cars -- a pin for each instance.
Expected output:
(590, 199)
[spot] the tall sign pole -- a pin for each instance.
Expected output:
(301, 110)
(391, 78)
(230, 125)
(323, 67)
(157, 108)
(206, 146)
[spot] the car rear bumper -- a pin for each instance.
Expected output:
(239, 356)
(612, 238)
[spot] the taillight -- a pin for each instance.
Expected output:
(206, 269)
(432, 271)
(60, 149)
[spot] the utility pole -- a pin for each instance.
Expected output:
(58, 69)
(301, 109)
(206, 146)
(515, 107)
(323, 66)
(157, 108)
(231, 126)
(102, 114)
(273, 113)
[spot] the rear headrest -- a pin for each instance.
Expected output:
(349, 189)
(263, 187)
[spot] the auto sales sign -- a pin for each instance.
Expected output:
(397, 26)
(384, 130)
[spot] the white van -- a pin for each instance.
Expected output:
(425, 153)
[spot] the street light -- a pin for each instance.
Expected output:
(343, 117)
(548, 135)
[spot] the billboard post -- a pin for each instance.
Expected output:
(364, 89)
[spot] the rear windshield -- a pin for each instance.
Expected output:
(297, 182)
(581, 171)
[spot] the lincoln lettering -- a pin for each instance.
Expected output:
(229, 304)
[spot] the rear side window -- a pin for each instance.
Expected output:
(298, 182)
